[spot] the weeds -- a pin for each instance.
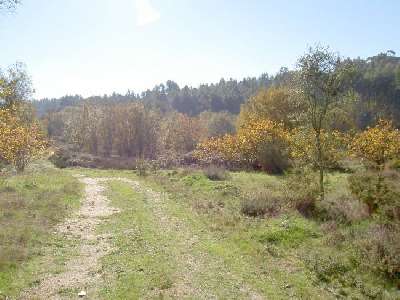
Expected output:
(261, 204)
(327, 267)
(343, 209)
(215, 173)
(380, 246)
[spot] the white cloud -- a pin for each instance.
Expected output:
(145, 13)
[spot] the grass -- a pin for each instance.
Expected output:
(30, 205)
(214, 215)
(285, 249)
(139, 264)
(194, 241)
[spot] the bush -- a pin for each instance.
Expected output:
(142, 167)
(326, 266)
(273, 158)
(380, 246)
(301, 191)
(377, 193)
(306, 207)
(261, 204)
(216, 173)
(302, 184)
(364, 187)
(342, 209)
(395, 164)
(288, 232)
(61, 158)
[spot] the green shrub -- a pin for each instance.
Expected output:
(395, 164)
(377, 192)
(61, 158)
(288, 233)
(345, 274)
(216, 173)
(261, 204)
(364, 187)
(328, 267)
(301, 191)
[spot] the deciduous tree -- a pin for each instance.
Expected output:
(321, 85)
(377, 144)
(19, 142)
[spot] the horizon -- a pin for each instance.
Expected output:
(138, 93)
(97, 47)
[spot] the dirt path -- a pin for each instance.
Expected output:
(83, 271)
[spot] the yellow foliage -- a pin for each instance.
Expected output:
(377, 144)
(245, 146)
(257, 133)
(273, 104)
(19, 142)
(303, 147)
(218, 148)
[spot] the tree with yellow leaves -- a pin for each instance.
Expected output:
(19, 141)
(275, 104)
(259, 142)
(264, 143)
(304, 150)
(377, 144)
(216, 150)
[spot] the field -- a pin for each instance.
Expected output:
(133, 176)
(175, 234)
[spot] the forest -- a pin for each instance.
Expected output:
(175, 121)
(276, 187)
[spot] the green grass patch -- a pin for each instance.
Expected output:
(143, 259)
(277, 255)
(30, 205)
(288, 232)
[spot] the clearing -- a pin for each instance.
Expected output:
(175, 235)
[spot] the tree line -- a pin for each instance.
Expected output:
(376, 84)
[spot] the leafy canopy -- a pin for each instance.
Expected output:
(377, 144)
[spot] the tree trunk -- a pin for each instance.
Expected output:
(321, 183)
(320, 166)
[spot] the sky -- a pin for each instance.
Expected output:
(95, 47)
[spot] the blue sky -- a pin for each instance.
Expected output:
(92, 47)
